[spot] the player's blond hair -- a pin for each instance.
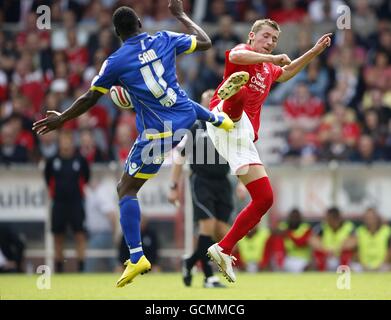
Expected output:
(263, 22)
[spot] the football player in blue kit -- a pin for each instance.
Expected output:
(145, 67)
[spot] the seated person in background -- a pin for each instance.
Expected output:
(11, 250)
(332, 241)
(291, 243)
(373, 243)
(253, 250)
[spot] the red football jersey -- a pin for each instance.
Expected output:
(262, 76)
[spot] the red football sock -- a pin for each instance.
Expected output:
(262, 199)
(234, 105)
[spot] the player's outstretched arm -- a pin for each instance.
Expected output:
(298, 64)
(203, 40)
(54, 120)
(246, 57)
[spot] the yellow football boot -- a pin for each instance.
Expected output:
(232, 85)
(223, 121)
(132, 270)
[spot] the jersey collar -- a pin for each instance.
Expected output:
(136, 38)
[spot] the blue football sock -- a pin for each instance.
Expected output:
(130, 223)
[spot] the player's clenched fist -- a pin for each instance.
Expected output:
(281, 60)
(176, 7)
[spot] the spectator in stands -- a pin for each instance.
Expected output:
(291, 243)
(340, 118)
(303, 109)
(24, 135)
(10, 150)
(364, 20)
(88, 121)
(163, 17)
(335, 147)
(366, 151)
(11, 250)
(254, 10)
(29, 80)
(101, 221)
(48, 145)
(324, 10)
(99, 57)
(373, 127)
(77, 58)
(66, 176)
(385, 41)
(253, 250)
(298, 149)
(122, 142)
(95, 43)
(93, 10)
(315, 76)
(59, 40)
(8, 53)
(347, 38)
(60, 88)
(287, 12)
(379, 101)
(346, 75)
(3, 84)
(88, 148)
(332, 241)
(373, 242)
(215, 9)
(378, 74)
(223, 40)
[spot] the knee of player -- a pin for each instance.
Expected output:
(269, 198)
(264, 200)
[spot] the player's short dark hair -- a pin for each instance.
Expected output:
(125, 20)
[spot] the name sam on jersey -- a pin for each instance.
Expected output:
(147, 56)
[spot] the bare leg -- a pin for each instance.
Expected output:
(129, 186)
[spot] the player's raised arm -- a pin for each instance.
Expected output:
(298, 64)
(203, 40)
(54, 120)
(245, 57)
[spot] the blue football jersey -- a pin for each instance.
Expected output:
(145, 66)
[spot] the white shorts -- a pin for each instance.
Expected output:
(235, 146)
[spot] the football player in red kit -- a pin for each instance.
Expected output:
(250, 70)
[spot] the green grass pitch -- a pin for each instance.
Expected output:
(168, 286)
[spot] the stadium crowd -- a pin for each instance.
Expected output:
(337, 108)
